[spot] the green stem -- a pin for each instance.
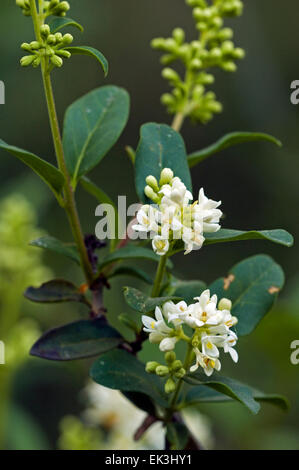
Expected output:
(70, 204)
(178, 121)
(159, 276)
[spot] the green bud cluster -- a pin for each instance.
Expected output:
(51, 46)
(214, 48)
(52, 7)
(153, 187)
(173, 370)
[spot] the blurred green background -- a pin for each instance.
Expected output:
(257, 183)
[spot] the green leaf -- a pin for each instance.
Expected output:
(92, 126)
(78, 340)
(202, 394)
(121, 370)
(91, 52)
(229, 140)
(227, 386)
(252, 286)
(103, 198)
(130, 252)
(187, 290)
(56, 246)
(160, 147)
(47, 172)
(140, 302)
(55, 291)
(229, 235)
(59, 22)
(133, 272)
(178, 435)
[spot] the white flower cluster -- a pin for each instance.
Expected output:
(211, 324)
(174, 217)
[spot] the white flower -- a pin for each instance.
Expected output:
(204, 312)
(147, 218)
(206, 210)
(159, 332)
(160, 245)
(228, 346)
(176, 193)
(174, 312)
(209, 364)
(209, 343)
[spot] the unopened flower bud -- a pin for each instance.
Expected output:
(35, 45)
(57, 61)
(26, 47)
(67, 39)
(51, 39)
(166, 176)
(170, 357)
(180, 373)
(162, 371)
(170, 74)
(176, 365)
(150, 193)
(169, 386)
(179, 35)
(27, 60)
(45, 30)
(151, 367)
(152, 182)
(225, 304)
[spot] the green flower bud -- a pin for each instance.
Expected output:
(45, 30)
(166, 176)
(176, 365)
(162, 371)
(229, 66)
(150, 193)
(180, 373)
(63, 53)
(57, 61)
(196, 64)
(167, 99)
(27, 60)
(179, 35)
(67, 39)
(158, 43)
(35, 45)
(225, 304)
(169, 386)
(170, 357)
(152, 182)
(239, 53)
(227, 47)
(215, 53)
(26, 47)
(170, 74)
(51, 39)
(58, 37)
(151, 367)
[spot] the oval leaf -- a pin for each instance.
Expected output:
(56, 246)
(120, 370)
(228, 235)
(140, 302)
(78, 340)
(229, 387)
(47, 172)
(55, 291)
(160, 147)
(252, 286)
(60, 22)
(234, 138)
(199, 394)
(92, 126)
(91, 52)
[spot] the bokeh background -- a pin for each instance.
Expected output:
(257, 183)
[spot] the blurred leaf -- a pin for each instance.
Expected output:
(187, 290)
(23, 432)
(78, 340)
(229, 140)
(47, 172)
(57, 246)
(140, 302)
(252, 286)
(103, 198)
(142, 401)
(91, 52)
(59, 22)
(228, 235)
(130, 252)
(201, 394)
(92, 126)
(178, 435)
(133, 272)
(160, 147)
(57, 290)
(120, 370)
(227, 386)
